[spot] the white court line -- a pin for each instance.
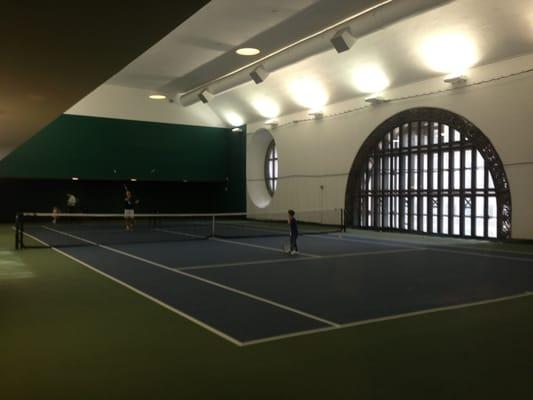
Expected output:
(145, 295)
(216, 239)
(370, 241)
(362, 253)
(295, 334)
(180, 233)
(244, 263)
(522, 253)
(459, 246)
(262, 247)
(236, 242)
(464, 252)
(219, 285)
(439, 248)
(388, 318)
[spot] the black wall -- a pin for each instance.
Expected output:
(38, 195)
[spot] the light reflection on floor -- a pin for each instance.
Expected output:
(12, 267)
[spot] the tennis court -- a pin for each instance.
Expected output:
(245, 289)
(279, 200)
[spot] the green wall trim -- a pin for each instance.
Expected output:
(116, 149)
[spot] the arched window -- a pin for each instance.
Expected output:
(271, 168)
(431, 171)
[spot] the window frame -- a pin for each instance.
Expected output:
(386, 173)
(271, 166)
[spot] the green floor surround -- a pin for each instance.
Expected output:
(67, 332)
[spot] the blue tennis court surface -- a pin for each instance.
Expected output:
(248, 291)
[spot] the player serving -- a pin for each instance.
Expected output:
(129, 209)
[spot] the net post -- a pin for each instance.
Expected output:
(212, 226)
(18, 231)
(343, 220)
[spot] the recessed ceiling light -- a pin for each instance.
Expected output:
(247, 51)
(157, 97)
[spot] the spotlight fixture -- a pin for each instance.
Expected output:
(259, 74)
(236, 130)
(272, 123)
(316, 114)
(342, 40)
(375, 100)
(206, 96)
(455, 80)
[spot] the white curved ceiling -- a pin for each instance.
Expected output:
(203, 47)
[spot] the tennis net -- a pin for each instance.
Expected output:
(35, 229)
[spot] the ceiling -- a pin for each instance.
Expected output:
(202, 48)
(64, 53)
(54, 55)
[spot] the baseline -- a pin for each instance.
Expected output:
(388, 318)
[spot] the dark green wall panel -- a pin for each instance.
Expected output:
(94, 148)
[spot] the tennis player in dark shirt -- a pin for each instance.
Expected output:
(129, 210)
(293, 224)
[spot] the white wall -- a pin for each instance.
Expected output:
(321, 152)
(111, 101)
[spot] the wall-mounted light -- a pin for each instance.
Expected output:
(133, 179)
(375, 100)
(316, 114)
(75, 178)
(236, 130)
(272, 123)
(456, 80)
